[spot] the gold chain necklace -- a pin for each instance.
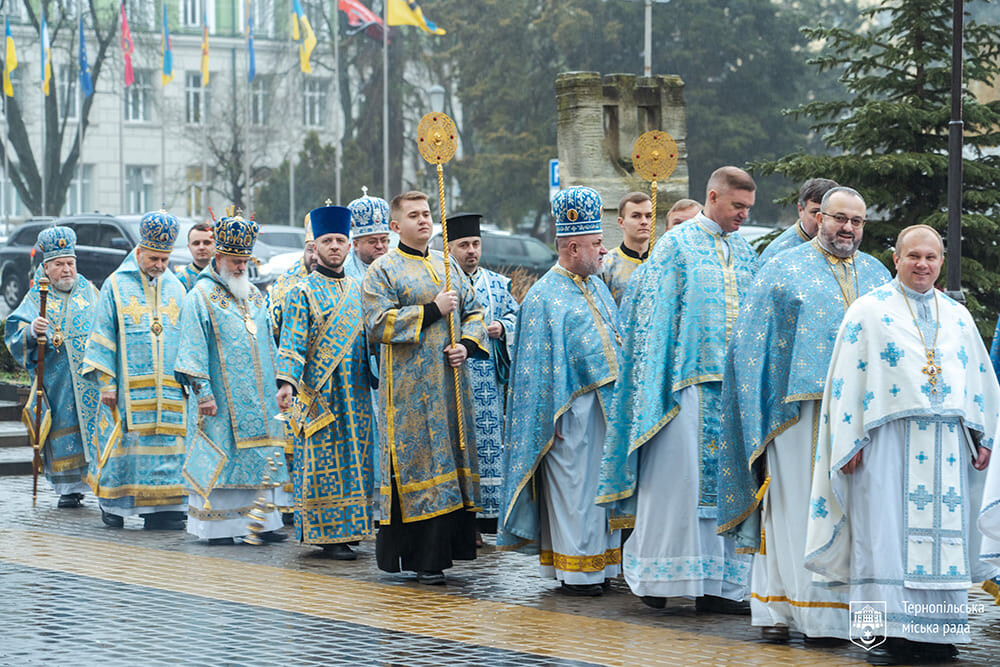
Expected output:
(248, 323)
(931, 369)
(847, 300)
(609, 319)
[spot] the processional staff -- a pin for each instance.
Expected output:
(654, 158)
(437, 140)
(36, 463)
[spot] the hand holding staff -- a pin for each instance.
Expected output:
(437, 142)
(36, 464)
(654, 157)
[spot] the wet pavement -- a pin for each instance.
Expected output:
(75, 592)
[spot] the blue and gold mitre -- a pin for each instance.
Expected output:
(369, 215)
(330, 220)
(57, 242)
(158, 231)
(235, 235)
(577, 210)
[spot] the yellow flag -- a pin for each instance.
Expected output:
(10, 63)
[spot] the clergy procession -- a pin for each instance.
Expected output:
(798, 437)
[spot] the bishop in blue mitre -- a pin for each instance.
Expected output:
(227, 360)
(138, 448)
(429, 474)
(661, 456)
(805, 227)
(369, 234)
(566, 361)
(774, 375)
(488, 377)
(71, 403)
(910, 412)
(323, 361)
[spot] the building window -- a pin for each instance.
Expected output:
(68, 102)
(258, 100)
(195, 99)
(10, 201)
(139, 98)
(142, 15)
(190, 13)
(138, 188)
(195, 203)
(314, 103)
(78, 195)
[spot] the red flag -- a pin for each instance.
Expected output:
(127, 49)
(361, 18)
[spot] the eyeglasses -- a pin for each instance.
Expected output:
(843, 219)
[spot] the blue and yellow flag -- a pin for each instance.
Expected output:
(46, 60)
(167, 74)
(252, 68)
(86, 83)
(307, 36)
(10, 63)
(408, 12)
(204, 46)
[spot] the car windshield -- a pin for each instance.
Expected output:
(292, 238)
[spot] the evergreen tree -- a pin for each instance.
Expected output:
(889, 137)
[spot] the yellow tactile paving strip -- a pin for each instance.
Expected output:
(416, 611)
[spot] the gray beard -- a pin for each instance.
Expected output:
(239, 286)
(64, 285)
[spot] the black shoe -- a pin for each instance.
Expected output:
(893, 651)
(161, 521)
(288, 518)
(713, 604)
(221, 541)
(581, 590)
(431, 578)
(775, 634)
(931, 652)
(272, 536)
(68, 500)
(823, 642)
(654, 601)
(339, 552)
(112, 520)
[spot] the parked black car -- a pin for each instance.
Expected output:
(503, 251)
(15, 262)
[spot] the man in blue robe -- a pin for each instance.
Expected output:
(635, 217)
(227, 360)
(201, 244)
(138, 449)
(910, 413)
(369, 234)
(430, 478)
(661, 456)
(775, 371)
(488, 376)
(566, 361)
(280, 288)
(72, 402)
(323, 361)
(804, 230)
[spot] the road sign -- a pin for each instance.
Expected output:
(553, 178)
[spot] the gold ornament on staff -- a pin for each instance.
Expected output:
(654, 158)
(437, 140)
(261, 507)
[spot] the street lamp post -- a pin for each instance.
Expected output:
(955, 129)
(435, 95)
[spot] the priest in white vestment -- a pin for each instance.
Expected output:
(909, 415)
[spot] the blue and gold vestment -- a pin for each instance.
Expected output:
(420, 451)
(778, 358)
(678, 312)
(132, 348)
(566, 347)
(279, 289)
(324, 355)
(72, 401)
(188, 275)
(488, 390)
(790, 238)
(227, 354)
(617, 269)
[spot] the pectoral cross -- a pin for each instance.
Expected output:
(932, 370)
